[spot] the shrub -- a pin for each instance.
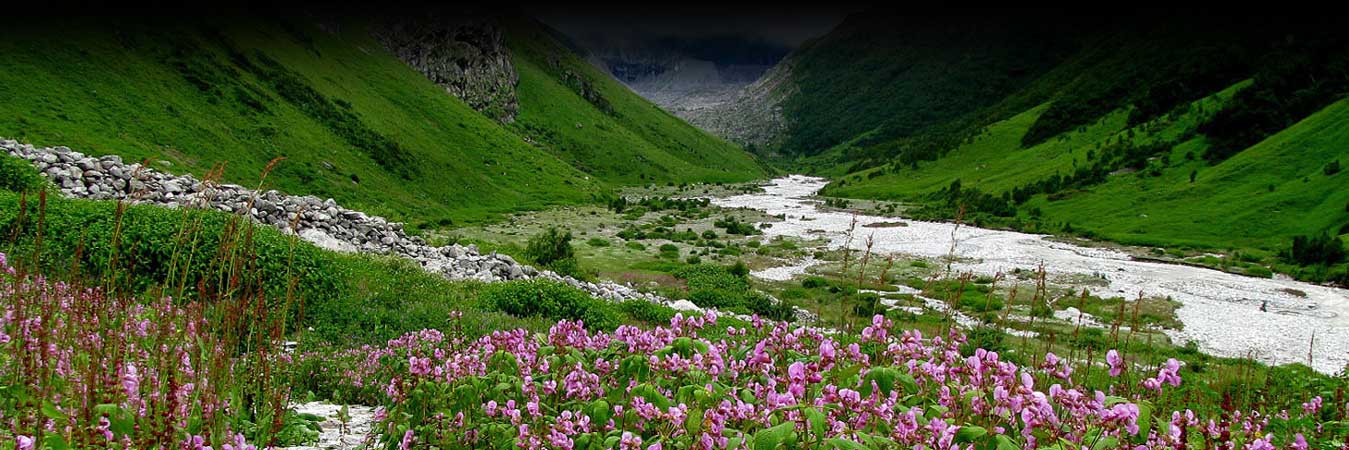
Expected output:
(597, 242)
(739, 269)
(693, 259)
(986, 337)
(635, 245)
(735, 226)
(549, 246)
(17, 175)
(648, 312)
(1322, 249)
(814, 282)
(709, 235)
(670, 251)
(1332, 168)
(549, 299)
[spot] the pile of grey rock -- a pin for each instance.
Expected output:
(322, 222)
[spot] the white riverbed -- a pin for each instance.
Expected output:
(1221, 311)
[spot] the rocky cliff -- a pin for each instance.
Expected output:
(753, 117)
(466, 56)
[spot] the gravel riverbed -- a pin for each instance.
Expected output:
(1220, 312)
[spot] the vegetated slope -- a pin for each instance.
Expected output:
(589, 119)
(901, 73)
(353, 122)
(1258, 198)
(1134, 107)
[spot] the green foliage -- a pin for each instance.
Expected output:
(204, 92)
(550, 246)
(1297, 78)
(597, 242)
(589, 119)
(814, 282)
(734, 226)
(17, 175)
(552, 300)
(648, 312)
(1321, 249)
(714, 286)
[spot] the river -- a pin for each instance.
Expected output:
(1221, 311)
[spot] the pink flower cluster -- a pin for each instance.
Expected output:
(96, 371)
(692, 385)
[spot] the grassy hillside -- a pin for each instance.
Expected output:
(1168, 195)
(354, 123)
(890, 75)
(589, 119)
(1258, 198)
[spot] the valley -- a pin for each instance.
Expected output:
(838, 227)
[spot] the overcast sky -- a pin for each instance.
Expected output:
(785, 24)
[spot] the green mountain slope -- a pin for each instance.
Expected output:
(353, 121)
(1175, 130)
(1272, 190)
(591, 120)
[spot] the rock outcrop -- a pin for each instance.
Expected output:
(467, 57)
(754, 116)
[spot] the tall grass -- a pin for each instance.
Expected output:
(169, 338)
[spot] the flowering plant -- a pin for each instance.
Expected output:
(771, 386)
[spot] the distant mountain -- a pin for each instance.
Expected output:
(440, 119)
(1161, 128)
(684, 75)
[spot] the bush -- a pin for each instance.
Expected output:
(597, 242)
(814, 282)
(635, 245)
(670, 251)
(714, 286)
(550, 299)
(648, 312)
(694, 259)
(739, 269)
(17, 175)
(1322, 249)
(1332, 168)
(735, 226)
(549, 246)
(986, 337)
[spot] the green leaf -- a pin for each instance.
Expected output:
(844, 444)
(55, 442)
(886, 378)
(1106, 442)
(819, 423)
(50, 410)
(651, 395)
(970, 433)
(694, 422)
(883, 379)
(773, 437)
(1005, 443)
(599, 411)
(1144, 420)
(634, 367)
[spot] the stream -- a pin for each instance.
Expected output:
(1221, 311)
